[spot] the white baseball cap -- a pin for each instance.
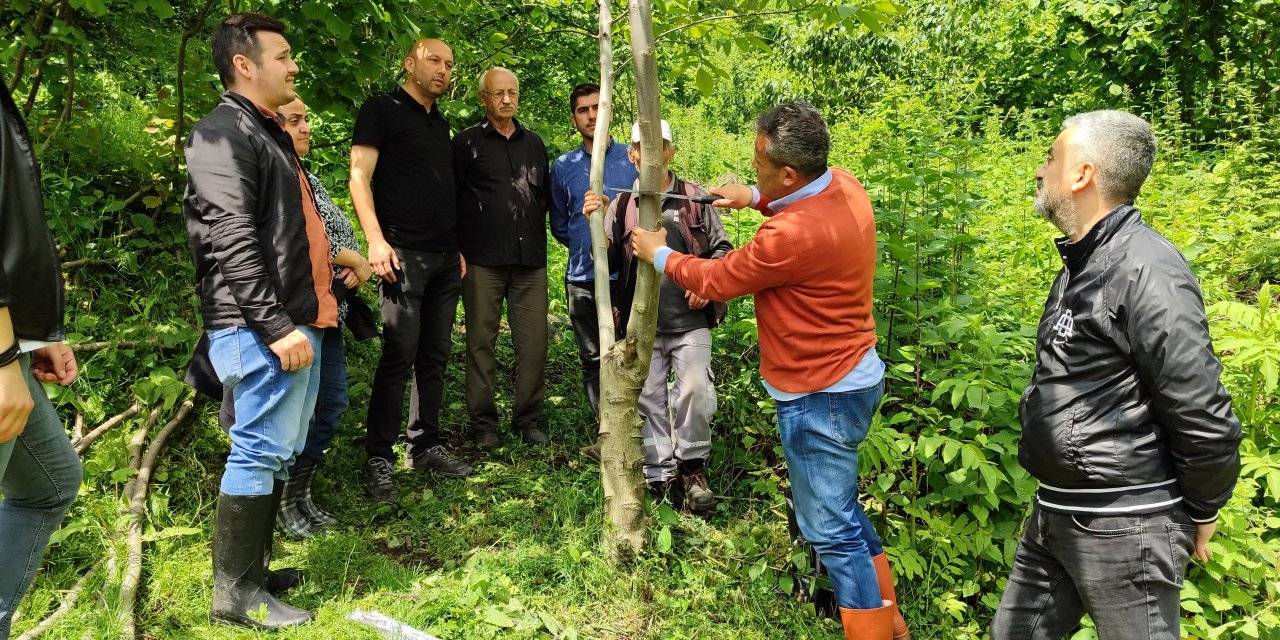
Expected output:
(666, 132)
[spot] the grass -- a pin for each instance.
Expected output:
(512, 552)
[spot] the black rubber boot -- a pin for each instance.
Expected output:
(290, 516)
(239, 596)
(319, 517)
(280, 580)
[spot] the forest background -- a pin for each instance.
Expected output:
(943, 109)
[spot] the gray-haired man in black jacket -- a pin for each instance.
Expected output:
(1125, 423)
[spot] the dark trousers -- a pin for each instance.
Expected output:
(418, 311)
(525, 291)
(581, 300)
(1125, 571)
(332, 401)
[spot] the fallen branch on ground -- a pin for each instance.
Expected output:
(136, 491)
(82, 444)
(68, 603)
(90, 347)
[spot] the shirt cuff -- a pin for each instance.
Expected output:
(660, 258)
(1212, 518)
(755, 197)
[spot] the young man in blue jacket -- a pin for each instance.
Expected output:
(570, 180)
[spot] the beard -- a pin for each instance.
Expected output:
(1058, 209)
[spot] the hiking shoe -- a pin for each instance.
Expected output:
(487, 439)
(697, 494)
(591, 451)
(378, 482)
(534, 436)
(669, 491)
(437, 459)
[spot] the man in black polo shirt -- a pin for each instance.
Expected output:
(402, 187)
(502, 227)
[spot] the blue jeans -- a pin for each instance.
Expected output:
(820, 437)
(39, 477)
(332, 401)
(273, 407)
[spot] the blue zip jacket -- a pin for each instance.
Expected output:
(570, 181)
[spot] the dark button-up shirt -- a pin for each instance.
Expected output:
(413, 183)
(502, 196)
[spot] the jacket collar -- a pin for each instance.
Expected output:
(1076, 254)
(272, 126)
(265, 116)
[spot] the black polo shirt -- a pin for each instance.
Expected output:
(502, 196)
(413, 183)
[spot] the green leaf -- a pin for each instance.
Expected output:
(704, 81)
(664, 540)
(786, 583)
(498, 618)
(667, 515)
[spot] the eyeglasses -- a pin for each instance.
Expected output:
(509, 93)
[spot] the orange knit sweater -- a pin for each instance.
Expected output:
(811, 268)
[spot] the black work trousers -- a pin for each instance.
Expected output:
(581, 300)
(525, 291)
(418, 311)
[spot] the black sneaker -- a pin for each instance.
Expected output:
(378, 482)
(437, 459)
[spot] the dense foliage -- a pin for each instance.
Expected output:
(943, 110)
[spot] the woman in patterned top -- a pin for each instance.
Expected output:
(299, 515)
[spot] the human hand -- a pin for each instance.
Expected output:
(15, 401)
(384, 261)
(364, 272)
(463, 263)
(55, 363)
(644, 244)
(1203, 533)
(294, 351)
(348, 276)
(694, 300)
(733, 196)
(591, 202)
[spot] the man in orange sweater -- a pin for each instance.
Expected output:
(810, 267)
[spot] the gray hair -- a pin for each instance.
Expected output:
(1121, 148)
(796, 136)
(483, 79)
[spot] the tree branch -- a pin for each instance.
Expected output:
(734, 16)
(82, 444)
(68, 603)
(180, 119)
(136, 491)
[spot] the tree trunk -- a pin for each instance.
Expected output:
(599, 148)
(625, 366)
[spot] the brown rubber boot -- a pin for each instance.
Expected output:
(868, 624)
(885, 577)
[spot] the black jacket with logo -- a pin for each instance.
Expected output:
(1125, 413)
(248, 235)
(30, 280)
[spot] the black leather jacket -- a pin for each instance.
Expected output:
(243, 210)
(1125, 413)
(30, 278)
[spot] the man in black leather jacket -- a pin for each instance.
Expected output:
(264, 279)
(1125, 423)
(39, 470)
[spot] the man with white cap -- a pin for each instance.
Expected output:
(677, 418)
